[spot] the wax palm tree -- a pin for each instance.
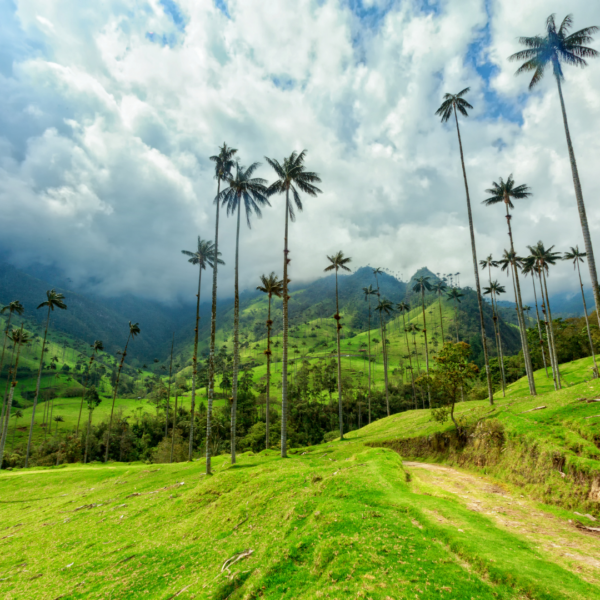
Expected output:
(53, 300)
(494, 290)
(338, 261)
(272, 286)
(577, 257)
(368, 292)
(134, 330)
(505, 192)
(455, 296)
(97, 346)
(93, 400)
(422, 284)
(385, 307)
(15, 307)
(414, 330)
(402, 308)
(449, 107)
(559, 47)
(205, 255)
(293, 177)
(168, 405)
(57, 419)
(439, 287)
(18, 414)
(251, 192)
(223, 164)
(19, 338)
(544, 258)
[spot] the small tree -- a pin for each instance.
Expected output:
(451, 373)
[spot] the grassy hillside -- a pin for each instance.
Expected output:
(340, 520)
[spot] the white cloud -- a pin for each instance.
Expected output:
(105, 135)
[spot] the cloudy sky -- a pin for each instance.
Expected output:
(108, 116)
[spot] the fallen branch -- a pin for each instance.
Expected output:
(235, 558)
(592, 417)
(532, 409)
(240, 523)
(179, 592)
(595, 530)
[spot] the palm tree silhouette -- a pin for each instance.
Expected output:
(577, 257)
(15, 307)
(451, 104)
(402, 308)
(53, 300)
(543, 258)
(19, 338)
(559, 47)
(252, 193)
(134, 329)
(97, 346)
(204, 255)
(504, 192)
(439, 287)
(223, 165)
(368, 292)
(385, 307)
(338, 261)
(293, 177)
(455, 295)
(494, 290)
(272, 286)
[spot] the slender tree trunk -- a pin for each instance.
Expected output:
(10, 401)
(497, 333)
(526, 356)
(500, 346)
(369, 338)
(412, 375)
(537, 312)
(213, 332)
(441, 320)
(475, 269)
(87, 437)
(268, 399)
(194, 367)
(284, 355)
(84, 390)
(37, 390)
(587, 324)
(6, 416)
(551, 327)
(426, 346)
(169, 386)
(339, 356)
(581, 206)
(236, 335)
(2, 362)
(173, 429)
(12, 446)
(115, 391)
(385, 368)
(548, 337)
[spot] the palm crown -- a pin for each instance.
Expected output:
(454, 294)
(252, 191)
(293, 176)
(575, 255)
(369, 291)
(384, 306)
(223, 161)
(13, 307)
(421, 284)
(488, 262)
(338, 261)
(271, 285)
(556, 47)
(439, 287)
(494, 288)
(204, 255)
(20, 336)
(542, 256)
(505, 191)
(453, 102)
(402, 307)
(510, 258)
(98, 346)
(134, 329)
(54, 299)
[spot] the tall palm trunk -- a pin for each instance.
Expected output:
(537, 312)
(87, 375)
(173, 428)
(169, 386)
(426, 346)
(581, 206)
(551, 329)
(500, 350)
(2, 361)
(475, 269)
(456, 319)
(37, 390)
(339, 357)
(112, 409)
(236, 335)
(213, 333)
(6, 392)
(418, 366)
(526, 355)
(12, 445)
(369, 349)
(412, 375)
(194, 368)
(284, 353)
(587, 324)
(10, 401)
(268, 353)
(384, 353)
(87, 437)
(441, 320)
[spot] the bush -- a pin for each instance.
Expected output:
(330, 436)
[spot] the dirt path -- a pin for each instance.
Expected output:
(554, 536)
